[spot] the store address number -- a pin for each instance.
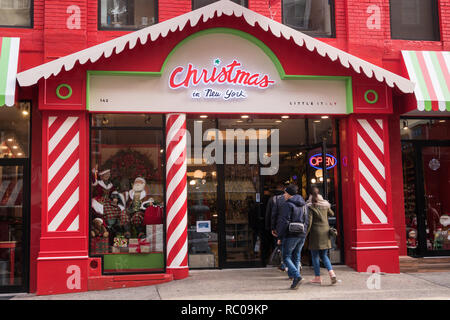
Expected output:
(104, 100)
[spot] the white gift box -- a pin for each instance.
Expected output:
(155, 236)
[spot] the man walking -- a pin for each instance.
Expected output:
(293, 210)
(273, 209)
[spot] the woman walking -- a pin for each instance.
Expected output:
(319, 234)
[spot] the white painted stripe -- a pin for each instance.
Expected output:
(61, 160)
(182, 254)
(51, 120)
(15, 193)
(75, 225)
(65, 210)
(60, 133)
(176, 126)
(364, 218)
(372, 205)
(3, 188)
(374, 248)
(372, 157)
(177, 233)
(434, 80)
(372, 181)
(177, 153)
(180, 267)
(179, 175)
(62, 186)
(12, 71)
(372, 134)
(176, 207)
(380, 123)
(412, 75)
(63, 258)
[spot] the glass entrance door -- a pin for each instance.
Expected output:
(436, 200)
(243, 223)
(13, 225)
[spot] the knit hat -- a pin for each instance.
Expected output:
(291, 189)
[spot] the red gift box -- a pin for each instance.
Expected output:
(153, 215)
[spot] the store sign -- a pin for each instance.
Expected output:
(220, 73)
(316, 161)
(232, 74)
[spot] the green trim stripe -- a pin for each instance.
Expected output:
(4, 61)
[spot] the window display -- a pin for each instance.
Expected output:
(127, 213)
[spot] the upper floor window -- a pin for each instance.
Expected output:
(415, 20)
(127, 14)
(315, 18)
(15, 13)
(201, 3)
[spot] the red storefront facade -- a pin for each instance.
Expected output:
(361, 65)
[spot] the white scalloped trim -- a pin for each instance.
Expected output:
(117, 45)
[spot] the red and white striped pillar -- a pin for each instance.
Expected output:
(373, 242)
(176, 196)
(63, 256)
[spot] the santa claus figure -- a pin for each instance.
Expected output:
(101, 191)
(137, 201)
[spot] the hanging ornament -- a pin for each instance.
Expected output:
(434, 164)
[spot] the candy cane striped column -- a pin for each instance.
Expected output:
(63, 173)
(176, 195)
(373, 240)
(62, 262)
(372, 171)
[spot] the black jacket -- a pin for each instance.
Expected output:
(291, 210)
(271, 218)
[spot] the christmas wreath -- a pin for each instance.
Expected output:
(130, 164)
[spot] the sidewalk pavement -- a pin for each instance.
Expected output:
(271, 284)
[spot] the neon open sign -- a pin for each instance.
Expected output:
(316, 161)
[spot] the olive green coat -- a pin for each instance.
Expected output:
(318, 228)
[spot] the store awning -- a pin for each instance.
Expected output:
(206, 13)
(430, 71)
(9, 57)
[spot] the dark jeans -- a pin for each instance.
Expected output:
(292, 248)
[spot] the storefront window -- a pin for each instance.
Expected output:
(201, 3)
(14, 131)
(426, 172)
(127, 14)
(15, 13)
(230, 197)
(127, 192)
(314, 18)
(14, 196)
(425, 129)
(203, 213)
(320, 129)
(414, 20)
